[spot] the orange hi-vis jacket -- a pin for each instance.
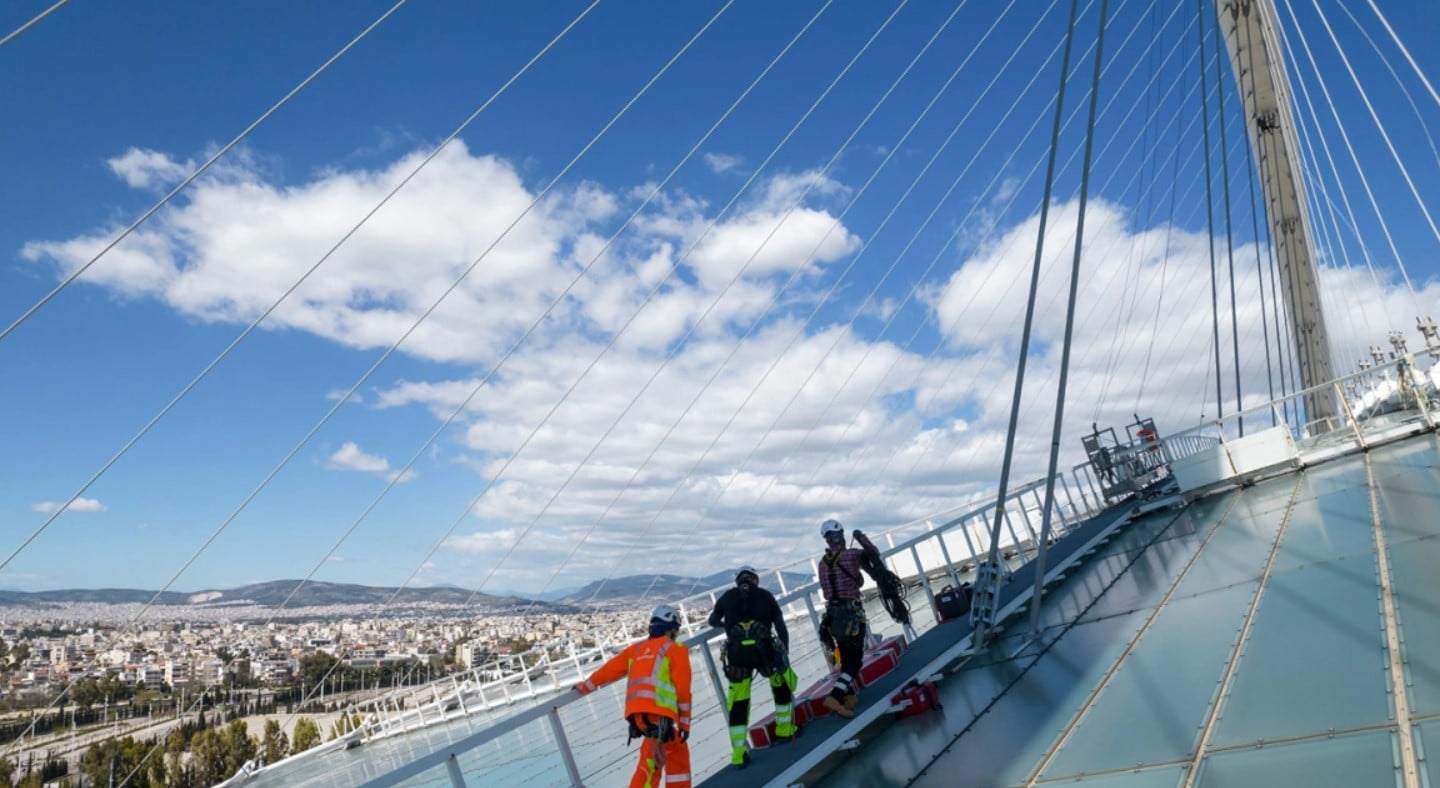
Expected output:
(658, 670)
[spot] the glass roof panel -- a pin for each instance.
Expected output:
(1409, 485)
(1006, 743)
(1408, 502)
(1156, 703)
(1237, 552)
(1343, 762)
(1331, 518)
(1314, 658)
(1169, 777)
(1429, 732)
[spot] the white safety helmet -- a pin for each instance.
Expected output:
(832, 527)
(747, 570)
(665, 614)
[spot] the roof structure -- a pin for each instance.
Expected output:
(1247, 639)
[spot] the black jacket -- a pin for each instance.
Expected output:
(755, 604)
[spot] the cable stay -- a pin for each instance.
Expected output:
(1359, 170)
(1384, 134)
(1229, 230)
(961, 224)
(189, 179)
(1322, 199)
(370, 372)
(992, 562)
(37, 19)
(676, 346)
(185, 391)
(987, 230)
(1400, 83)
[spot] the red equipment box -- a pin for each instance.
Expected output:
(895, 643)
(876, 665)
(762, 733)
(811, 703)
(916, 698)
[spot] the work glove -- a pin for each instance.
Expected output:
(684, 735)
(858, 533)
(581, 689)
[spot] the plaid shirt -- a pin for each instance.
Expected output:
(848, 579)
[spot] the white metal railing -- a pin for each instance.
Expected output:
(919, 551)
(1389, 400)
(1384, 403)
(1184, 445)
(1374, 406)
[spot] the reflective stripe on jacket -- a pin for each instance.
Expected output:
(658, 673)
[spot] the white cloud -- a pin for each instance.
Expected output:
(740, 461)
(350, 457)
(141, 168)
(721, 163)
(78, 505)
(235, 241)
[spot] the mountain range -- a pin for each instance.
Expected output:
(269, 594)
(658, 588)
(316, 593)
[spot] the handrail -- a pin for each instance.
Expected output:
(438, 757)
(976, 510)
(701, 634)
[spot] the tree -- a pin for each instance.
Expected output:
(343, 725)
(7, 769)
(117, 758)
(317, 667)
(238, 747)
(306, 735)
(274, 745)
(178, 774)
(207, 752)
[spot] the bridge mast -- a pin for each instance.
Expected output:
(1251, 29)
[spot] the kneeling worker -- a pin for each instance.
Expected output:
(657, 700)
(748, 613)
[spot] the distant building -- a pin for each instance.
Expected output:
(149, 676)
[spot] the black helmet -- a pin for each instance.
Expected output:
(744, 572)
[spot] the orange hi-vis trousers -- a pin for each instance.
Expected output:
(672, 758)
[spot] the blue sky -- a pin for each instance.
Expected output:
(888, 405)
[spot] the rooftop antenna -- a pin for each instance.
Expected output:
(1431, 332)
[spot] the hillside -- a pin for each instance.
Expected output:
(268, 594)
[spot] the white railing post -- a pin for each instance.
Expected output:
(1069, 499)
(949, 564)
(1417, 387)
(714, 674)
(969, 543)
(924, 576)
(814, 617)
(570, 766)
(1010, 526)
(1030, 524)
(1350, 414)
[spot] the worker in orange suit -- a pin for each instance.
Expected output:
(657, 700)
